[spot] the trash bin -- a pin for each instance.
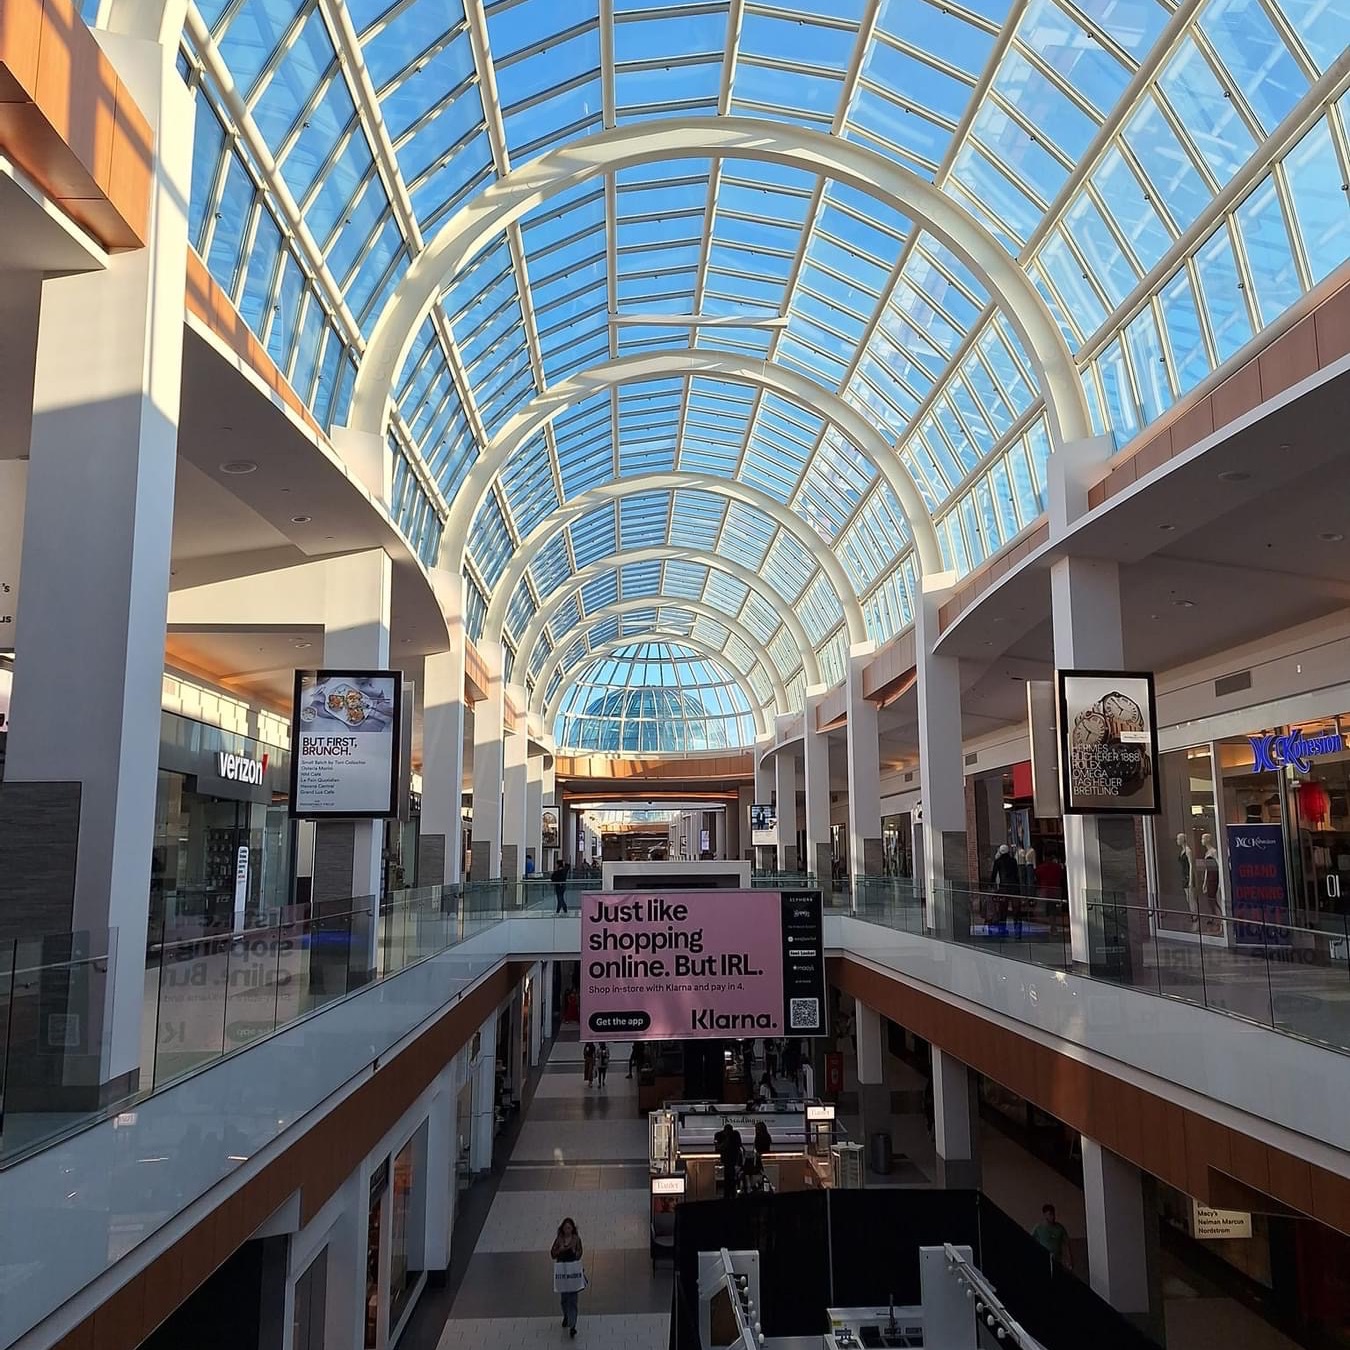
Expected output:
(882, 1154)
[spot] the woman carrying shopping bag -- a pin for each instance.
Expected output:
(569, 1277)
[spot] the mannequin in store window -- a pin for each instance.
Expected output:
(1186, 868)
(1207, 884)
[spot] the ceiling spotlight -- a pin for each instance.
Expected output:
(1235, 475)
(1184, 604)
(238, 467)
(1331, 536)
(1167, 527)
(304, 644)
(301, 520)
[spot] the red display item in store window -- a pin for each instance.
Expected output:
(1314, 804)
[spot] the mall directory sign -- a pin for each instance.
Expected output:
(345, 744)
(694, 965)
(1108, 743)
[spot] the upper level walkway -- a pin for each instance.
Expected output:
(1200, 1098)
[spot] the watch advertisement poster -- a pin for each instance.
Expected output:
(345, 744)
(1108, 743)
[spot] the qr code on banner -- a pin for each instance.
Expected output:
(804, 1014)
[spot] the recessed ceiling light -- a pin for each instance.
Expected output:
(1331, 536)
(239, 466)
(304, 644)
(1167, 527)
(301, 520)
(1184, 604)
(1235, 475)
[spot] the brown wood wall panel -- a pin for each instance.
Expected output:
(1184, 1148)
(316, 1165)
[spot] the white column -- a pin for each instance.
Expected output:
(440, 1171)
(1117, 1220)
(96, 546)
(488, 765)
(568, 824)
(941, 763)
(1085, 604)
(357, 597)
(956, 1122)
(484, 1097)
(785, 788)
(816, 763)
(864, 775)
(764, 790)
(534, 812)
(745, 799)
(345, 1286)
(536, 1013)
(515, 751)
(440, 860)
(867, 1022)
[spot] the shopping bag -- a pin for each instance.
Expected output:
(569, 1277)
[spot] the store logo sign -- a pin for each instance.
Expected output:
(241, 768)
(1295, 749)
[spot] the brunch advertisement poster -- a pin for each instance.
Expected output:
(345, 743)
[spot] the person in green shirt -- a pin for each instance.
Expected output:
(1054, 1237)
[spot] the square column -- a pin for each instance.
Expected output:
(1122, 1231)
(864, 775)
(484, 1097)
(515, 756)
(785, 789)
(764, 792)
(956, 1122)
(546, 1001)
(534, 812)
(536, 1013)
(440, 861)
(440, 1172)
(867, 1028)
(98, 526)
(941, 766)
(816, 773)
(348, 861)
(488, 766)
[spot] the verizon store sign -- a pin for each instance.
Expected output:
(241, 768)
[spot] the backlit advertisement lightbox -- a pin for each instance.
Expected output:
(763, 824)
(1108, 743)
(345, 743)
(690, 965)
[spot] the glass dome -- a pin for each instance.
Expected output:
(654, 698)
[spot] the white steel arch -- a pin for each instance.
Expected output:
(578, 506)
(480, 220)
(766, 376)
(534, 630)
(548, 711)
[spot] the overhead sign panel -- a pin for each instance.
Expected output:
(694, 965)
(345, 743)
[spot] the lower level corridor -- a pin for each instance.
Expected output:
(581, 1152)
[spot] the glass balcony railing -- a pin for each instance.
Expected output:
(209, 995)
(1290, 978)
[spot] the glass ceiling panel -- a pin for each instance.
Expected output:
(817, 277)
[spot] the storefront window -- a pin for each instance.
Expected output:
(897, 841)
(403, 1273)
(1319, 816)
(1187, 841)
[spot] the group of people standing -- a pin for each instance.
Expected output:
(742, 1168)
(1015, 877)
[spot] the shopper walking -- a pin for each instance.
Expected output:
(559, 879)
(635, 1060)
(731, 1151)
(569, 1276)
(766, 1090)
(602, 1065)
(1054, 1237)
(588, 1063)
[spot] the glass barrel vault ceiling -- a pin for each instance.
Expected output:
(654, 698)
(1171, 178)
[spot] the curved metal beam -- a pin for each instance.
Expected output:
(621, 607)
(692, 482)
(480, 220)
(763, 726)
(763, 375)
(534, 630)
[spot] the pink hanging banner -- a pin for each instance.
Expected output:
(680, 966)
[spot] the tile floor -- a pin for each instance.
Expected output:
(580, 1152)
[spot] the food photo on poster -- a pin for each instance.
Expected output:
(693, 965)
(1108, 742)
(345, 743)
